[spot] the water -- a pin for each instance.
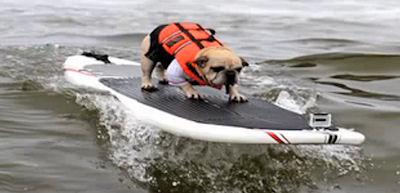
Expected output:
(341, 57)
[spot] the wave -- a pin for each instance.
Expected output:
(331, 56)
(132, 37)
(84, 39)
(364, 79)
(324, 41)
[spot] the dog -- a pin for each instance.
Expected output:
(186, 54)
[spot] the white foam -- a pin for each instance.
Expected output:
(131, 143)
(288, 102)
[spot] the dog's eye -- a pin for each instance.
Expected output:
(238, 69)
(218, 69)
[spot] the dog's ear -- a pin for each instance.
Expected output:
(244, 62)
(202, 61)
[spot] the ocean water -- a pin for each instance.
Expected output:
(336, 56)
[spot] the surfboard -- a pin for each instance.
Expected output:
(212, 119)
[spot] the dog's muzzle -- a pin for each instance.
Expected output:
(230, 80)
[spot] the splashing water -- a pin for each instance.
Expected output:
(167, 163)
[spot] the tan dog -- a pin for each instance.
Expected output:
(190, 54)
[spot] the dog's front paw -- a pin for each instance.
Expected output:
(193, 94)
(147, 86)
(238, 98)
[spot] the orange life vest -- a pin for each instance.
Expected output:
(184, 41)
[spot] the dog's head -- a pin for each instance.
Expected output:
(220, 65)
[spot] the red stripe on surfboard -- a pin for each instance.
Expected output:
(274, 136)
(79, 71)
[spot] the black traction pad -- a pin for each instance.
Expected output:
(215, 109)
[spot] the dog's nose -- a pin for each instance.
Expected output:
(230, 76)
(230, 79)
(230, 73)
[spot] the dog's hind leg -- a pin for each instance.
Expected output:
(160, 70)
(147, 65)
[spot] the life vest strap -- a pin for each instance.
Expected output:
(195, 72)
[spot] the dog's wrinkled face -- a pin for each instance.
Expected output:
(220, 65)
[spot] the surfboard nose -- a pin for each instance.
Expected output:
(350, 137)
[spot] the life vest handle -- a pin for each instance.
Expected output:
(212, 32)
(191, 37)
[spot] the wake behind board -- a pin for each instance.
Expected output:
(212, 119)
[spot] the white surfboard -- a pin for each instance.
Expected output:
(213, 119)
